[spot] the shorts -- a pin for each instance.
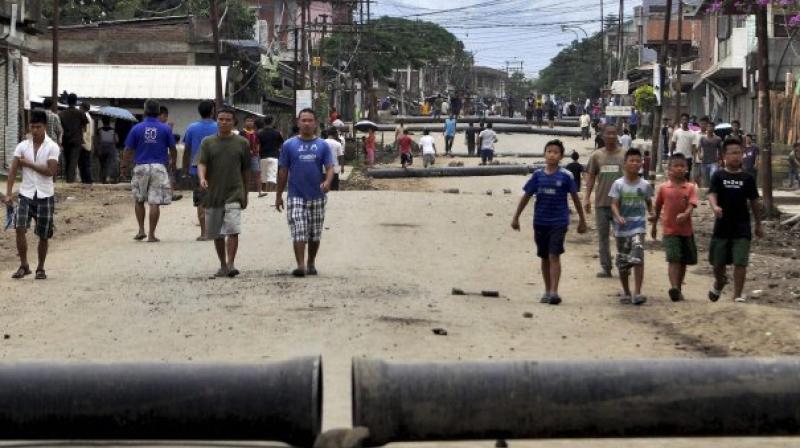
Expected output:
(725, 251)
(405, 159)
(630, 251)
(306, 218)
(269, 170)
(680, 249)
(487, 154)
(255, 164)
(428, 159)
(198, 195)
(549, 240)
(39, 209)
(224, 221)
(151, 184)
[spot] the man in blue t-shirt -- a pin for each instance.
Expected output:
(449, 133)
(301, 163)
(195, 134)
(151, 144)
(551, 185)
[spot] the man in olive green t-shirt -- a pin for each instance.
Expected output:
(605, 166)
(222, 169)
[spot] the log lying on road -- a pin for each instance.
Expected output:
(451, 171)
(402, 402)
(566, 121)
(512, 128)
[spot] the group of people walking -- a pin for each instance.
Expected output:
(218, 160)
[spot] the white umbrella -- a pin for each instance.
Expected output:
(365, 125)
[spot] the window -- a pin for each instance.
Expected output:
(779, 27)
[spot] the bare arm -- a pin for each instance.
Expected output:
(127, 156)
(202, 171)
(576, 201)
(523, 202)
(173, 158)
(757, 208)
(12, 177)
(712, 200)
(587, 204)
(245, 183)
(615, 212)
(187, 156)
(326, 184)
(45, 170)
(283, 177)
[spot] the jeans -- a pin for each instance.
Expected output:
(448, 143)
(85, 166)
(633, 128)
(108, 158)
(72, 153)
(603, 219)
(471, 148)
(708, 170)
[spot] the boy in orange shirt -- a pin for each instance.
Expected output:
(677, 197)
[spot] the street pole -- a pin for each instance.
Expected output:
(602, 39)
(56, 21)
(678, 61)
(764, 127)
(217, 68)
(296, 68)
(662, 61)
(620, 40)
(303, 45)
(321, 51)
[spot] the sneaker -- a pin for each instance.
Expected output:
(625, 300)
(740, 299)
(638, 299)
(605, 273)
(545, 298)
(675, 294)
(555, 299)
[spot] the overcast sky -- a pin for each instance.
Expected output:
(514, 31)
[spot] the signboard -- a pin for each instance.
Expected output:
(618, 111)
(620, 87)
(316, 61)
(302, 101)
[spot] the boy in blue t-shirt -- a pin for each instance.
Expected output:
(551, 185)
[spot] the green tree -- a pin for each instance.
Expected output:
(644, 98)
(574, 71)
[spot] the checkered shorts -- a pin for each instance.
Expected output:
(39, 209)
(306, 218)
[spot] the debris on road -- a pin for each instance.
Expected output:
(451, 190)
(440, 331)
(527, 315)
(484, 293)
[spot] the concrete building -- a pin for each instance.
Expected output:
(20, 23)
(489, 82)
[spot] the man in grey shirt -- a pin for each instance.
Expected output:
(710, 148)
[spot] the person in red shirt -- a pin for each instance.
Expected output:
(369, 147)
(404, 142)
(677, 198)
(250, 134)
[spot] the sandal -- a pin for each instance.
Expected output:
(22, 272)
(40, 275)
(140, 236)
(233, 272)
(299, 273)
(312, 270)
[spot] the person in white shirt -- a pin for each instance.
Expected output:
(37, 158)
(585, 121)
(428, 148)
(331, 137)
(684, 141)
(486, 140)
(626, 141)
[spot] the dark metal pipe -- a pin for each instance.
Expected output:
(451, 171)
(277, 401)
(499, 128)
(568, 399)
(566, 121)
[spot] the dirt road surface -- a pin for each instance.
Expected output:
(388, 261)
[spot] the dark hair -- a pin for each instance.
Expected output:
(737, 122)
(557, 143)
(85, 106)
(685, 115)
(162, 110)
(227, 110)
(323, 134)
(205, 108)
(647, 153)
(106, 120)
(38, 116)
(72, 99)
(307, 110)
(625, 131)
(729, 142)
(489, 125)
(47, 103)
(268, 120)
(250, 117)
(575, 156)
(677, 157)
(426, 132)
(405, 132)
(151, 108)
(259, 123)
(333, 133)
(470, 124)
(632, 152)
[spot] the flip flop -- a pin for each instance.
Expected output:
(222, 272)
(153, 240)
(40, 274)
(21, 272)
(233, 273)
(311, 270)
(299, 273)
(201, 238)
(140, 236)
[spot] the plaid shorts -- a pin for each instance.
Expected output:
(39, 209)
(306, 218)
(151, 184)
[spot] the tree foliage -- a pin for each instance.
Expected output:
(392, 42)
(644, 98)
(519, 87)
(575, 70)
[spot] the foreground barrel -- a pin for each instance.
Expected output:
(526, 400)
(278, 401)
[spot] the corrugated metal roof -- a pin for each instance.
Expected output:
(182, 82)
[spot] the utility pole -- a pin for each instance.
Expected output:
(662, 62)
(303, 45)
(321, 50)
(56, 21)
(620, 40)
(678, 62)
(764, 125)
(217, 68)
(296, 68)
(602, 39)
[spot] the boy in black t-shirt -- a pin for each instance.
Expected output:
(729, 194)
(576, 169)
